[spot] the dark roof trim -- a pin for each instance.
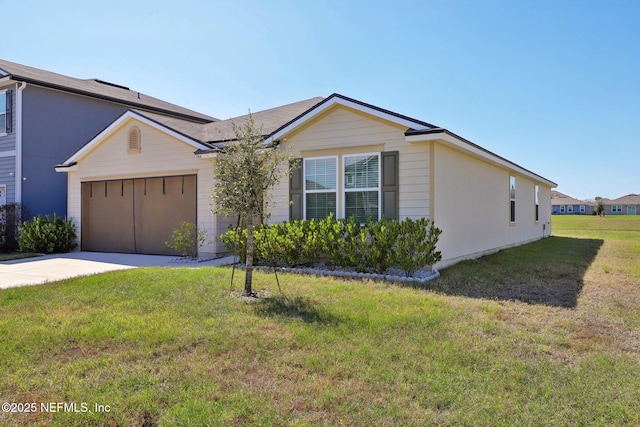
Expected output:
(412, 132)
(382, 110)
(109, 98)
(66, 166)
(355, 101)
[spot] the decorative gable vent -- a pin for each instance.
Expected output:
(134, 145)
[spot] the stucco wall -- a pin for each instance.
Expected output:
(161, 155)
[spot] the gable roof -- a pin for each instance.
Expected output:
(271, 120)
(557, 198)
(96, 140)
(277, 122)
(97, 88)
(337, 99)
(629, 199)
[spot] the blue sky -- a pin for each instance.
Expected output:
(551, 85)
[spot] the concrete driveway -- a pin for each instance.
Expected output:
(49, 268)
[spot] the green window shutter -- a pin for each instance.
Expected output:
(390, 185)
(296, 190)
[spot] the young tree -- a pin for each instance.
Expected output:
(599, 206)
(244, 173)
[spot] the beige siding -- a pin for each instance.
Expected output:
(471, 206)
(161, 155)
(341, 131)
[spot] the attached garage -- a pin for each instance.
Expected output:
(136, 215)
(135, 183)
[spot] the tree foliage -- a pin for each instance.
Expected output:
(244, 173)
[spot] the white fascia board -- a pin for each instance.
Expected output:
(116, 124)
(6, 81)
(464, 146)
(66, 168)
(409, 124)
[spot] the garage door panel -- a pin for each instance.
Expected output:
(107, 216)
(150, 223)
(136, 215)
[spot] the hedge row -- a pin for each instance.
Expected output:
(372, 247)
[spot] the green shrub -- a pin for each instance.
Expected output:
(289, 243)
(383, 235)
(373, 247)
(47, 235)
(415, 245)
(187, 240)
(353, 246)
(235, 240)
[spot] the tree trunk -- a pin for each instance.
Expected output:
(248, 278)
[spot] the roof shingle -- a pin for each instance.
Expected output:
(98, 89)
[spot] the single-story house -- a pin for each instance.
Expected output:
(132, 184)
(625, 205)
(561, 204)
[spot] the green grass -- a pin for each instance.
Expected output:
(536, 335)
(10, 256)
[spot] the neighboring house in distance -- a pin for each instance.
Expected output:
(44, 116)
(134, 182)
(561, 204)
(625, 205)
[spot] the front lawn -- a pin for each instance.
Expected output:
(545, 334)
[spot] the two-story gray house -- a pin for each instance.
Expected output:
(44, 116)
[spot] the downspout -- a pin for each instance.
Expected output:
(18, 197)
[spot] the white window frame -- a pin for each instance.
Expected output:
(536, 196)
(583, 208)
(353, 190)
(512, 198)
(562, 209)
(304, 183)
(3, 112)
(569, 208)
(616, 208)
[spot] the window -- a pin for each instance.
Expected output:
(512, 198)
(320, 187)
(134, 144)
(616, 208)
(562, 209)
(570, 208)
(362, 186)
(583, 208)
(537, 202)
(5, 112)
